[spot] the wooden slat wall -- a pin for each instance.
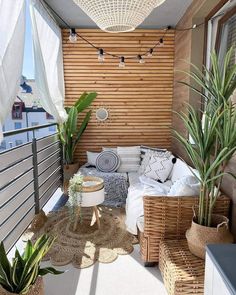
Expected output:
(138, 96)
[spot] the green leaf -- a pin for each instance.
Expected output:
(51, 270)
(85, 101)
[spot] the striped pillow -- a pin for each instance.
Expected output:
(129, 158)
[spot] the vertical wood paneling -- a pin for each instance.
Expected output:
(139, 96)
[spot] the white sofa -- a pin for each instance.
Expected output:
(140, 186)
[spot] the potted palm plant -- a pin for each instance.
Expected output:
(214, 137)
(24, 274)
(70, 133)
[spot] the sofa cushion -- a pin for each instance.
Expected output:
(159, 167)
(140, 223)
(129, 158)
(91, 158)
(185, 187)
(147, 156)
(107, 161)
(144, 149)
(180, 170)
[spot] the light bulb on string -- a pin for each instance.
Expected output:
(73, 36)
(140, 59)
(161, 42)
(150, 52)
(122, 62)
(101, 56)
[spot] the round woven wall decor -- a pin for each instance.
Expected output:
(107, 161)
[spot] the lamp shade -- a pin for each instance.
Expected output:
(116, 16)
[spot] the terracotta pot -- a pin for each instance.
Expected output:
(36, 289)
(69, 170)
(199, 236)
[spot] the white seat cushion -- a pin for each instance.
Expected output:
(180, 170)
(140, 223)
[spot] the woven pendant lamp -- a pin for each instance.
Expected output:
(116, 16)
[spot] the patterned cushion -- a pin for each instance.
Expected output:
(107, 161)
(130, 158)
(159, 168)
(147, 156)
(145, 149)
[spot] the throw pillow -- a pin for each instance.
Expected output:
(185, 187)
(159, 168)
(107, 161)
(130, 158)
(145, 149)
(91, 158)
(147, 157)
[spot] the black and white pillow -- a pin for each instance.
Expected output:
(147, 156)
(107, 161)
(160, 167)
(146, 149)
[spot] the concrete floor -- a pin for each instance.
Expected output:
(125, 276)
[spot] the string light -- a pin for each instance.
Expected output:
(101, 52)
(161, 42)
(101, 56)
(150, 52)
(140, 59)
(122, 62)
(73, 36)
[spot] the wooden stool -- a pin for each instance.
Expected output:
(182, 272)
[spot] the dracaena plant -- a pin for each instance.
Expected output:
(18, 276)
(213, 131)
(69, 132)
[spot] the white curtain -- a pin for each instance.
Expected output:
(12, 35)
(48, 61)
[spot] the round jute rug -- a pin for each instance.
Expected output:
(88, 243)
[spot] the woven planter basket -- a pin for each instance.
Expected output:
(36, 289)
(95, 184)
(199, 236)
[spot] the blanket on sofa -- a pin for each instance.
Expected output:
(115, 185)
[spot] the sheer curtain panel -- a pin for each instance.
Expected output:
(12, 34)
(48, 60)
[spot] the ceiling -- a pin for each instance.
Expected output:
(169, 13)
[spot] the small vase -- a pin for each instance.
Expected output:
(36, 289)
(199, 236)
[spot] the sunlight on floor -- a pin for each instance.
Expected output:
(125, 276)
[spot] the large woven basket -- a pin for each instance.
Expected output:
(94, 184)
(36, 289)
(182, 272)
(169, 218)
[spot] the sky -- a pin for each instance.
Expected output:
(28, 65)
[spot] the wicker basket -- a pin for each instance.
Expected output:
(182, 272)
(96, 184)
(169, 218)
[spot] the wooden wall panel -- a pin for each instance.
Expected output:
(138, 96)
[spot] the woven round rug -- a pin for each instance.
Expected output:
(88, 243)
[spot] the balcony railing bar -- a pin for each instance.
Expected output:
(14, 179)
(28, 129)
(16, 210)
(9, 200)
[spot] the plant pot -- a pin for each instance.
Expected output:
(36, 289)
(199, 236)
(68, 171)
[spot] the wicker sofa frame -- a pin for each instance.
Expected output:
(169, 218)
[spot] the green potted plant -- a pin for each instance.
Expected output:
(214, 137)
(70, 133)
(24, 274)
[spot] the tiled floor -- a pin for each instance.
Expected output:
(125, 276)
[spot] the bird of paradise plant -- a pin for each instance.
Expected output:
(213, 131)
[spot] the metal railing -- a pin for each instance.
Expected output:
(29, 175)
